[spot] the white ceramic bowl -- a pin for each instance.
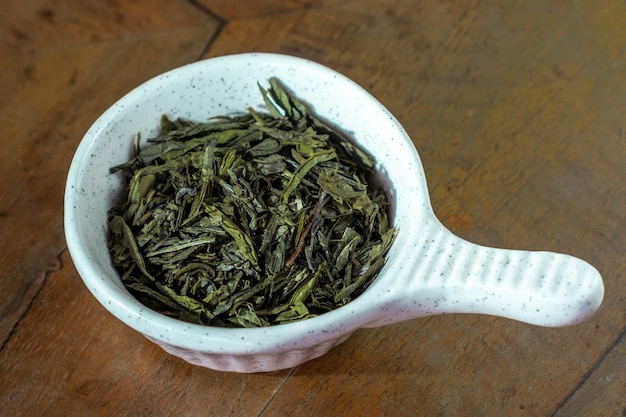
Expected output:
(428, 271)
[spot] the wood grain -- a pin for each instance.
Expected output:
(516, 108)
(40, 24)
(243, 9)
(51, 97)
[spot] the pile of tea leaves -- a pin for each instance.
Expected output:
(250, 220)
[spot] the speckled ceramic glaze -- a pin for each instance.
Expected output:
(429, 270)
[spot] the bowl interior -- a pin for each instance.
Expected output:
(224, 86)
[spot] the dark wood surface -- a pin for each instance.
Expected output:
(518, 111)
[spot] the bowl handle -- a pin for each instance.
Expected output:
(451, 275)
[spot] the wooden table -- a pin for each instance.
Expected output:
(518, 111)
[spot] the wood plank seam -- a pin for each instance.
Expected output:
(208, 12)
(210, 42)
(278, 390)
(58, 265)
(620, 339)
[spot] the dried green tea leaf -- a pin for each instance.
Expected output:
(269, 104)
(280, 96)
(188, 303)
(120, 229)
(251, 220)
(297, 176)
(241, 238)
